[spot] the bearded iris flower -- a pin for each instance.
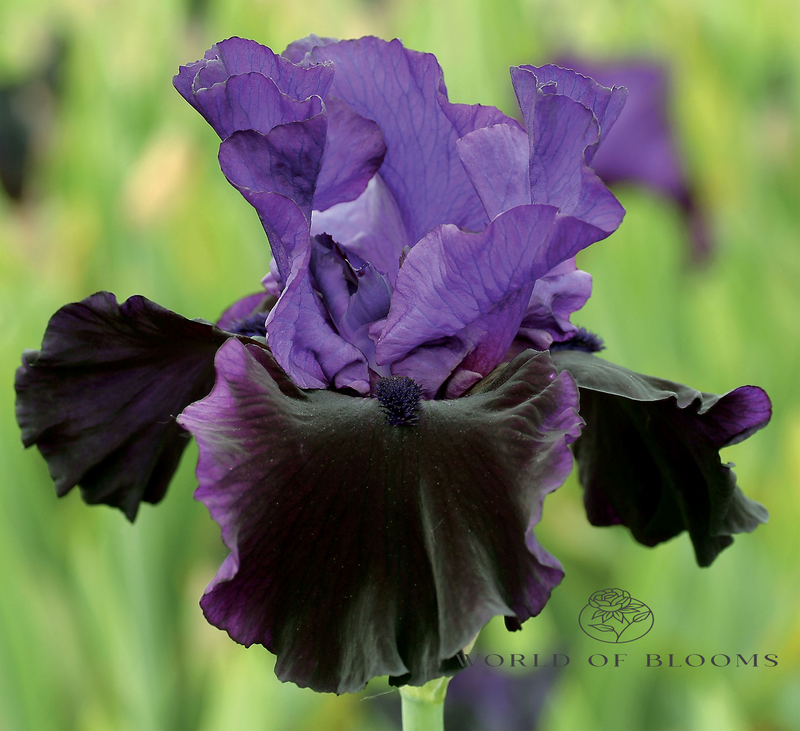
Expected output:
(378, 430)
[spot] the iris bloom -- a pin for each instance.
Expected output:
(378, 430)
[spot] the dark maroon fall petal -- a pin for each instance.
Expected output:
(648, 456)
(359, 548)
(100, 398)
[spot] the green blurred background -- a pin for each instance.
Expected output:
(99, 620)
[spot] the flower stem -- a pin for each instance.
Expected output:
(423, 706)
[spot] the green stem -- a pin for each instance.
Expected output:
(423, 706)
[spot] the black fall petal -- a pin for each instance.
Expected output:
(100, 398)
(361, 549)
(648, 456)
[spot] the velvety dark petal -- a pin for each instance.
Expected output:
(370, 226)
(496, 160)
(354, 150)
(452, 280)
(649, 454)
(361, 549)
(100, 398)
(400, 90)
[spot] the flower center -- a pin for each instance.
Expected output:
(581, 340)
(399, 397)
(251, 326)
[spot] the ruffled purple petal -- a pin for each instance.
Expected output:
(400, 90)
(496, 160)
(100, 398)
(361, 549)
(562, 291)
(297, 51)
(563, 134)
(649, 454)
(251, 101)
(354, 150)
(285, 161)
(244, 86)
(277, 173)
(304, 342)
(605, 103)
(467, 118)
(465, 295)
(642, 149)
(237, 56)
(354, 293)
(371, 226)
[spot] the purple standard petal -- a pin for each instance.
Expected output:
(563, 135)
(371, 226)
(298, 51)
(251, 101)
(237, 56)
(649, 454)
(643, 149)
(606, 104)
(468, 118)
(496, 160)
(100, 398)
(562, 291)
(354, 293)
(460, 297)
(277, 175)
(241, 85)
(287, 161)
(304, 342)
(400, 90)
(354, 150)
(361, 549)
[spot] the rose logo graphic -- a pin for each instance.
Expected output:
(613, 615)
